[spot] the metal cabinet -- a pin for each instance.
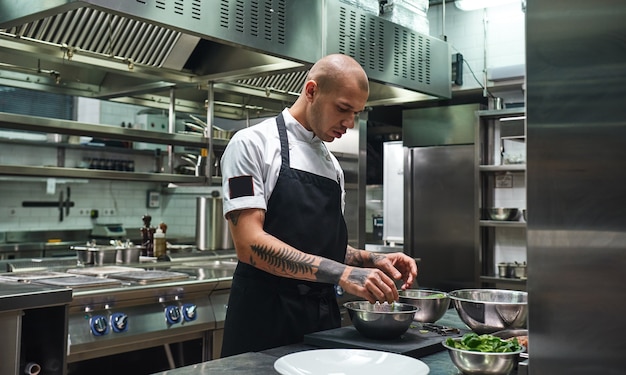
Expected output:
(501, 154)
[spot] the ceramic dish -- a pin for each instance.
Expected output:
(348, 362)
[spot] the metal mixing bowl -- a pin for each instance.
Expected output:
(381, 321)
(431, 304)
(471, 362)
(504, 214)
(491, 310)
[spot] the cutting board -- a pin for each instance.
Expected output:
(414, 343)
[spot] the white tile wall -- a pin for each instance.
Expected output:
(500, 31)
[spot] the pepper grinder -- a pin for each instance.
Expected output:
(147, 236)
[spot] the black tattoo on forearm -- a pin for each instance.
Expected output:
(362, 258)
(354, 258)
(373, 257)
(287, 261)
(329, 271)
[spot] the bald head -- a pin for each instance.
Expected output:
(335, 69)
(335, 91)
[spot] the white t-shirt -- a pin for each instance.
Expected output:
(255, 152)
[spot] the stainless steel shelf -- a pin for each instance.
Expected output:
(502, 113)
(503, 168)
(506, 224)
(57, 126)
(19, 170)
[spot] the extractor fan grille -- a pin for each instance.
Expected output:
(361, 37)
(255, 18)
(92, 30)
(285, 83)
(388, 52)
(412, 53)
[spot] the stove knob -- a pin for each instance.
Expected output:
(119, 322)
(99, 326)
(189, 312)
(172, 314)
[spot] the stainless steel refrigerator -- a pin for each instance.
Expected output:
(441, 196)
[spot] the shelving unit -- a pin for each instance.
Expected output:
(57, 126)
(497, 173)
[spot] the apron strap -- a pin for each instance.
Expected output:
(284, 144)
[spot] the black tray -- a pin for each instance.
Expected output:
(414, 343)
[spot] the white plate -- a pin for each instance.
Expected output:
(348, 362)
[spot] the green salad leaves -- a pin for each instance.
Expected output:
(484, 343)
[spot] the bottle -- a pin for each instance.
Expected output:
(147, 239)
(159, 243)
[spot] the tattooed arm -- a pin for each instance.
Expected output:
(266, 252)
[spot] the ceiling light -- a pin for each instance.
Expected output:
(480, 4)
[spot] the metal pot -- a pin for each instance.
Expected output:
(128, 255)
(211, 228)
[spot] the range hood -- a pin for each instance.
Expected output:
(255, 54)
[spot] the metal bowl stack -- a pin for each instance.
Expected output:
(381, 321)
(491, 310)
(431, 304)
(484, 363)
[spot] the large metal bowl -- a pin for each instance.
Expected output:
(491, 310)
(471, 362)
(381, 321)
(504, 214)
(431, 304)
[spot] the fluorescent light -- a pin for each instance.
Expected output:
(480, 4)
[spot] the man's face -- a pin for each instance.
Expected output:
(333, 112)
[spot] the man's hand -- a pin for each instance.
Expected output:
(369, 283)
(398, 266)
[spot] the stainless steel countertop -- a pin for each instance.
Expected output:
(20, 296)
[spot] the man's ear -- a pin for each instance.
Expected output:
(310, 89)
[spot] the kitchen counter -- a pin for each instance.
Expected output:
(21, 296)
(262, 363)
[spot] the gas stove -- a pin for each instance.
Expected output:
(120, 309)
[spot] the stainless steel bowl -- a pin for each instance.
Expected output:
(380, 321)
(431, 304)
(504, 214)
(470, 362)
(491, 310)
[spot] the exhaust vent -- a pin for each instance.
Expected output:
(193, 9)
(258, 19)
(105, 34)
(413, 60)
(389, 53)
(361, 36)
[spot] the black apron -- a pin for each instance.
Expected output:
(266, 311)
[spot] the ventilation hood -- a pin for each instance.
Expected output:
(255, 54)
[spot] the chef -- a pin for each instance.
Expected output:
(284, 201)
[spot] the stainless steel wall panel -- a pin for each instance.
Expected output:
(576, 147)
